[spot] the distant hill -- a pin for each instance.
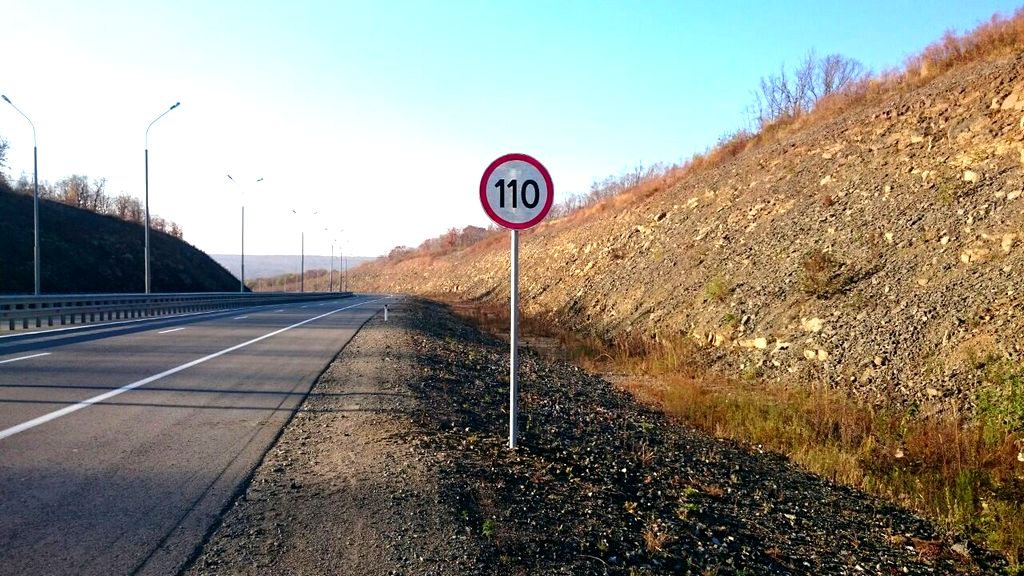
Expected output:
(267, 266)
(85, 252)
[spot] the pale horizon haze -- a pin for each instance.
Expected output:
(381, 116)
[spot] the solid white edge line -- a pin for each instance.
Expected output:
(107, 395)
(25, 357)
(171, 330)
(240, 317)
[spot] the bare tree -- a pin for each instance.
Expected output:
(836, 73)
(789, 95)
(128, 208)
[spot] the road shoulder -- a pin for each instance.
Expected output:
(345, 489)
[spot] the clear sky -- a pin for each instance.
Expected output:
(381, 116)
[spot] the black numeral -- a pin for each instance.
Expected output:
(521, 195)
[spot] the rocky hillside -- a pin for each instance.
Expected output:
(85, 252)
(879, 249)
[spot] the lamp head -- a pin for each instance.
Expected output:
(176, 104)
(6, 99)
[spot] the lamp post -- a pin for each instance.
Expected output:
(176, 104)
(302, 257)
(333, 242)
(241, 281)
(35, 198)
(302, 253)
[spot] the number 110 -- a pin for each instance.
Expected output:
(521, 195)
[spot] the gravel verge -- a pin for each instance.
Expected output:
(397, 463)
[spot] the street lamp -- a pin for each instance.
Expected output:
(241, 284)
(176, 104)
(302, 256)
(35, 198)
(333, 242)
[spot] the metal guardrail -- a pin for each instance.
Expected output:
(51, 310)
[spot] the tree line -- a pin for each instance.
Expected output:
(81, 192)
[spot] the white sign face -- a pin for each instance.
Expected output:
(516, 191)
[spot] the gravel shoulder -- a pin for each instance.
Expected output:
(397, 464)
(344, 490)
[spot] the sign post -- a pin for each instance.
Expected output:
(516, 192)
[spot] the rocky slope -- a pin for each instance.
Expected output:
(880, 250)
(397, 463)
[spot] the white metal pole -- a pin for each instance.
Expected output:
(35, 197)
(241, 283)
(176, 104)
(35, 214)
(146, 229)
(513, 364)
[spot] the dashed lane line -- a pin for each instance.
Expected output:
(8, 432)
(25, 357)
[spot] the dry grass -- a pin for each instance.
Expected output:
(963, 472)
(656, 537)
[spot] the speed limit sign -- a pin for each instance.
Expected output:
(516, 191)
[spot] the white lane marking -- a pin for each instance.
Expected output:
(25, 357)
(281, 310)
(107, 395)
(240, 317)
(171, 330)
(155, 319)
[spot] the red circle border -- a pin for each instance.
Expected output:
(547, 181)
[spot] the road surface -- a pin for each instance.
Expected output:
(121, 445)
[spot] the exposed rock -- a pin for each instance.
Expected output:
(908, 251)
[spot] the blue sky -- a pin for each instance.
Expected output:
(381, 116)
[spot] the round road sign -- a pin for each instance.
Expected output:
(516, 191)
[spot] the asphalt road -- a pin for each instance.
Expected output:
(121, 445)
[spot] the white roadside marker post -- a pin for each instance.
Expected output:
(516, 192)
(385, 312)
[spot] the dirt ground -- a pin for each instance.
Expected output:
(397, 464)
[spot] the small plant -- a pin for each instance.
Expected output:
(823, 274)
(945, 193)
(717, 289)
(1001, 401)
(488, 528)
(656, 537)
(630, 507)
(730, 320)
(685, 507)
(644, 454)
(751, 372)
